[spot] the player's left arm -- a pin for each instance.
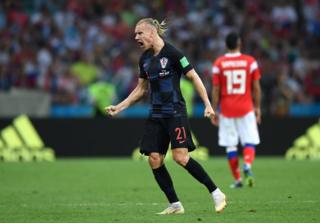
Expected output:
(197, 82)
(256, 89)
(215, 103)
(257, 99)
(183, 65)
(215, 93)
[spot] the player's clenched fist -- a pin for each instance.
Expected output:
(111, 110)
(208, 112)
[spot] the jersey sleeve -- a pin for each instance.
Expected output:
(215, 73)
(142, 72)
(182, 61)
(254, 70)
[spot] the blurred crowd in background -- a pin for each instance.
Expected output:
(83, 51)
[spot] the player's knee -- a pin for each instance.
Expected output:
(181, 158)
(155, 160)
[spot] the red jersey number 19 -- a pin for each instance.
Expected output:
(236, 81)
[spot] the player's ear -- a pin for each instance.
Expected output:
(153, 32)
(151, 35)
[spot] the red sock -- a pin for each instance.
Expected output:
(249, 154)
(234, 167)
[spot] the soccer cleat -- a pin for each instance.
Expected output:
(172, 210)
(220, 201)
(248, 177)
(236, 185)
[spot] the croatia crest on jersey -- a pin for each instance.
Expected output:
(163, 62)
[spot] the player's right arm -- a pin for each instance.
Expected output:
(139, 91)
(215, 93)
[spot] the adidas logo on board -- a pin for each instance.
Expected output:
(21, 142)
(306, 146)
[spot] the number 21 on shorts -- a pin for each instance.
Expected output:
(181, 134)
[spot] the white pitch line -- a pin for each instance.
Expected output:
(104, 204)
(275, 202)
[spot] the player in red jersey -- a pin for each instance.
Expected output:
(236, 88)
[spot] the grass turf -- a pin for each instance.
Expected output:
(122, 190)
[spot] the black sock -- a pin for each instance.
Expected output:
(196, 170)
(163, 179)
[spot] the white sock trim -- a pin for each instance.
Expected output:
(247, 166)
(231, 149)
(176, 204)
(216, 192)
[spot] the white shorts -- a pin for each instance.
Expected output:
(243, 128)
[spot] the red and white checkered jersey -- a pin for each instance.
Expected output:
(234, 73)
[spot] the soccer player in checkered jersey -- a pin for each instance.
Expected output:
(161, 66)
(236, 90)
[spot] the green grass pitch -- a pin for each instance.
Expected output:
(122, 190)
